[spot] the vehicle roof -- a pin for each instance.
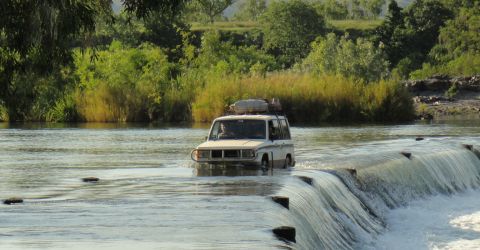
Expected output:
(249, 117)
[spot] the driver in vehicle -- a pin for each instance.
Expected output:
(225, 132)
(271, 131)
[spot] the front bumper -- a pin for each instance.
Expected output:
(225, 156)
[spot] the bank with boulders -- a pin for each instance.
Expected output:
(443, 95)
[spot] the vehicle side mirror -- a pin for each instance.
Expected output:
(206, 137)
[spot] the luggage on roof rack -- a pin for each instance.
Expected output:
(255, 106)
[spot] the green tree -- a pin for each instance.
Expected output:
(250, 10)
(223, 57)
(291, 27)
(456, 5)
(143, 9)
(390, 34)
(423, 21)
(36, 36)
(332, 9)
(365, 9)
(409, 36)
(374, 7)
(128, 30)
(360, 60)
(356, 10)
(462, 34)
(162, 30)
(439, 55)
(212, 8)
(459, 45)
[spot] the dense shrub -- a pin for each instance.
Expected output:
(465, 65)
(32, 95)
(224, 57)
(125, 85)
(458, 52)
(360, 60)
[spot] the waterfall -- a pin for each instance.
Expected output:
(341, 204)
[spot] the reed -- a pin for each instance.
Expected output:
(65, 110)
(176, 105)
(106, 103)
(3, 114)
(307, 98)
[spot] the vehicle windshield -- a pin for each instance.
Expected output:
(238, 129)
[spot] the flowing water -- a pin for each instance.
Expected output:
(365, 186)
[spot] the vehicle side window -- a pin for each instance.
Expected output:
(274, 132)
(215, 131)
(286, 130)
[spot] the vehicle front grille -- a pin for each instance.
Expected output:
(216, 153)
(231, 153)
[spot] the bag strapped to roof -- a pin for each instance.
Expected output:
(256, 106)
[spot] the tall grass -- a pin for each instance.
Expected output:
(65, 110)
(124, 103)
(308, 98)
(201, 98)
(106, 103)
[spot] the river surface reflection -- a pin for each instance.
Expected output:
(151, 195)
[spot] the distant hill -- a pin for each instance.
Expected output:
(117, 6)
(402, 3)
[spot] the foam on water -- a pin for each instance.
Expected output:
(438, 222)
(389, 201)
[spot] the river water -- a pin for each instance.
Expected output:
(151, 195)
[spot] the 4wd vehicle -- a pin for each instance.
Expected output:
(256, 134)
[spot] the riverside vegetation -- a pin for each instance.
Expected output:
(162, 69)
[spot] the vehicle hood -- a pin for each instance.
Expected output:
(230, 144)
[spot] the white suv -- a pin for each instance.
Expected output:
(248, 139)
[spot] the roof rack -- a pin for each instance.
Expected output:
(256, 107)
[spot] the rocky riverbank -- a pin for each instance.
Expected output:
(441, 95)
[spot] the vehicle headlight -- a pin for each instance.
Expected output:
(248, 153)
(203, 153)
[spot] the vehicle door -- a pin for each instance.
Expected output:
(275, 135)
(286, 141)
